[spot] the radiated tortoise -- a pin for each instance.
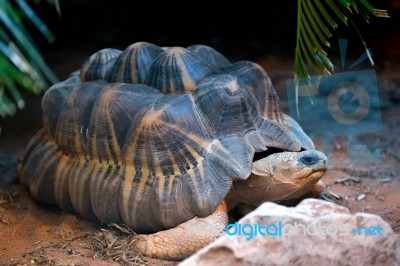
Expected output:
(154, 137)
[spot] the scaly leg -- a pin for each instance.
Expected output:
(185, 239)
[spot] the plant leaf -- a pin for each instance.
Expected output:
(21, 64)
(35, 20)
(313, 23)
(314, 20)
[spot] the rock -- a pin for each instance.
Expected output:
(361, 197)
(328, 234)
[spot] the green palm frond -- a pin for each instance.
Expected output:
(315, 19)
(21, 64)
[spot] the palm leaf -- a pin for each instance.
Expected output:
(21, 63)
(315, 19)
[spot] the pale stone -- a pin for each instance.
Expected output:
(327, 247)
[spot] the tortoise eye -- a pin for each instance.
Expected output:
(308, 160)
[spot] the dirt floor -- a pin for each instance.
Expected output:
(32, 233)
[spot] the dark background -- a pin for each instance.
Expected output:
(243, 30)
(249, 30)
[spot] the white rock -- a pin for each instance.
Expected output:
(326, 247)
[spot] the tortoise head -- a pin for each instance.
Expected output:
(280, 176)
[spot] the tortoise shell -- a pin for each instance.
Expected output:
(152, 136)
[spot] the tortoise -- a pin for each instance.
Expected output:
(155, 137)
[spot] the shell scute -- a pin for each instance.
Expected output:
(97, 66)
(133, 65)
(210, 55)
(178, 70)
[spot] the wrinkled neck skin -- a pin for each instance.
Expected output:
(253, 191)
(274, 180)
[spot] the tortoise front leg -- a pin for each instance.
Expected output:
(185, 239)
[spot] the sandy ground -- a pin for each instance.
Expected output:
(32, 233)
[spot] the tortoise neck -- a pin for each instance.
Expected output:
(252, 191)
